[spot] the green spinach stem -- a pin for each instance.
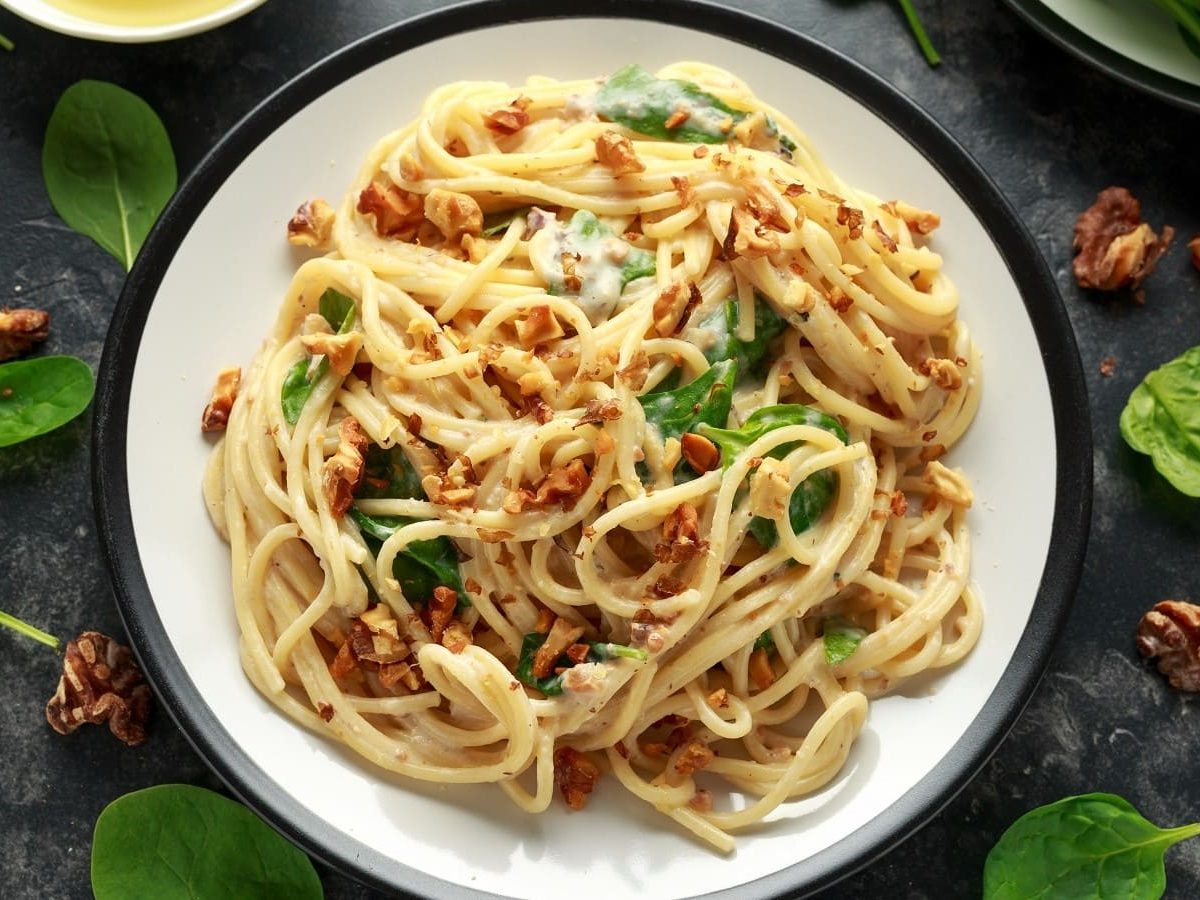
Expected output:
(1187, 17)
(28, 630)
(6, 44)
(918, 30)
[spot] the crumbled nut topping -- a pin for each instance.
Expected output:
(944, 373)
(597, 412)
(1108, 366)
(949, 484)
(576, 776)
(538, 326)
(100, 683)
(683, 189)
(718, 699)
(635, 372)
(340, 349)
(1170, 633)
(20, 329)
(888, 242)
(397, 213)
(852, 218)
(563, 485)
(922, 221)
(312, 224)
(453, 214)
(441, 611)
(770, 488)
(563, 633)
(898, 504)
(343, 471)
(681, 536)
(1114, 248)
(747, 237)
(216, 413)
(694, 756)
(374, 644)
(699, 452)
(760, 670)
(509, 119)
(615, 152)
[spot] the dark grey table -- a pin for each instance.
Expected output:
(1049, 131)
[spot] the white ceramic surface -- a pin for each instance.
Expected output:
(42, 13)
(1137, 29)
(220, 294)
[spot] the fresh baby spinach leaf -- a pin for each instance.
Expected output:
(108, 166)
(178, 842)
(841, 640)
(666, 108)
(1090, 847)
(1162, 419)
(302, 378)
(723, 324)
(39, 395)
(705, 400)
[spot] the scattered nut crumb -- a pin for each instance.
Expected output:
(1108, 366)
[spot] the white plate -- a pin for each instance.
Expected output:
(56, 19)
(207, 286)
(1133, 40)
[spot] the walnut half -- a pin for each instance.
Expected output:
(1170, 633)
(1114, 248)
(100, 683)
(20, 329)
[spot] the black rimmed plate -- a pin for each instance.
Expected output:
(207, 286)
(1132, 40)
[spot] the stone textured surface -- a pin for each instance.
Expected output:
(1050, 131)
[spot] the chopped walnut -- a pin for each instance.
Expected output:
(576, 776)
(312, 224)
(397, 213)
(340, 349)
(563, 485)
(699, 452)
(597, 412)
(852, 218)
(1108, 366)
(839, 299)
(888, 242)
(922, 221)
(562, 635)
(343, 471)
(683, 189)
(770, 488)
(718, 699)
(538, 326)
(20, 329)
(668, 309)
(898, 504)
(694, 756)
(701, 801)
(675, 119)
(374, 644)
(747, 237)
(635, 372)
(944, 373)
(100, 683)
(681, 536)
(615, 152)
(453, 213)
(1114, 248)
(761, 672)
(441, 610)
(216, 413)
(1170, 632)
(509, 119)
(949, 484)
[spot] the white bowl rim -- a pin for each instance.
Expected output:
(51, 17)
(1055, 339)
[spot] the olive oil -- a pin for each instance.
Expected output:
(139, 12)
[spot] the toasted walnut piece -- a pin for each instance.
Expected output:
(615, 152)
(683, 189)
(397, 213)
(20, 329)
(666, 586)
(216, 413)
(747, 237)
(325, 711)
(839, 299)
(538, 326)
(1114, 249)
(509, 119)
(889, 242)
(1170, 632)
(441, 610)
(922, 221)
(933, 451)
(456, 638)
(1108, 366)
(852, 218)
(761, 672)
(537, 383)
(1193, 245)
(949, 484)
(635, 372)
(898, 504)
(100, 683)
(668, 309)
(675, 119)
(563, 485)
(562, 635)
(453, 213)
(701, 801)
(575, 775)
(763, 207)
(699, 452)
(694, 756)
(944, 373)
(597, 412)
(718, 699)
(681, 536)
(541, 410)
(343, 471)
(770, 488)
(340, 349)
(312, 224)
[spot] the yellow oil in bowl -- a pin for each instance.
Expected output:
(137, 13)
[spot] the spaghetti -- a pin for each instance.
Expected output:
(605, 438)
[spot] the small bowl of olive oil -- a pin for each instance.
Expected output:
(130, 21)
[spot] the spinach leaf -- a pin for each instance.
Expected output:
(498, 222)
(750, 355)
(178, 842)
(841, 640)
(302, 378)
(812, 495)
(1187, 18)
(28, 630)
(39, 395)
(581, 237)
(1162, 419)
(1094, 845)
(422, 565)
(634, 98)
(551, 685)
(765, 641)
(108, 165)
(705, 400)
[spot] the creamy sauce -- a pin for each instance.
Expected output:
(139, 12)
(597, 264)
